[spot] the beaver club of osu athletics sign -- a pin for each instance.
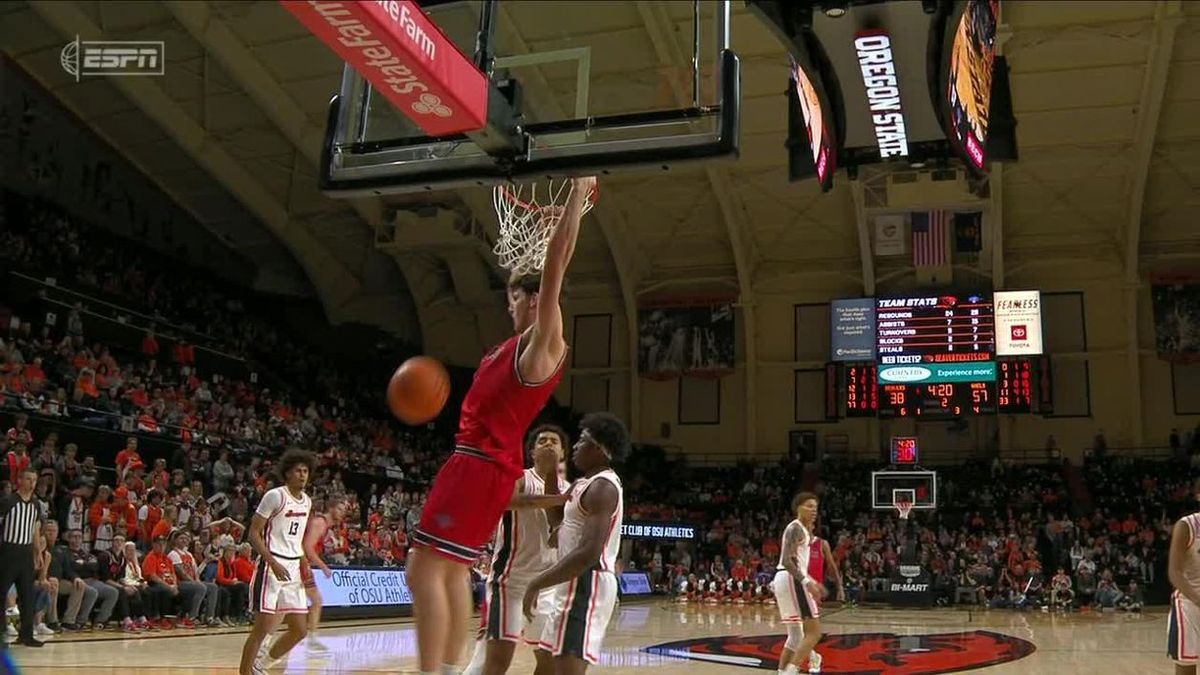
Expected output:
(862, 653)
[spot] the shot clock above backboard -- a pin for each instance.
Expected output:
(904, 450)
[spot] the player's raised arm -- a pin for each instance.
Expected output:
(548, 329)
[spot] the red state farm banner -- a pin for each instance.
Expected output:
(405, 56)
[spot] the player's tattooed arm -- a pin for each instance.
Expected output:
(791, 541)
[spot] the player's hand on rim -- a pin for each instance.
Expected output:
(583, 185)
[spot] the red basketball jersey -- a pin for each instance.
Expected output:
(320, 545)
(816, 561)
(500, 407)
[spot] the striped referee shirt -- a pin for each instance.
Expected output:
(20, 520)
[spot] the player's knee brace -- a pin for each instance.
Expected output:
(795, 633)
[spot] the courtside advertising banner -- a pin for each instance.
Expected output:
(662, 531)
(358, 587)
(1018, 323)
(405, 57)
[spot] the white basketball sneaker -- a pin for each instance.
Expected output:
(814, 662)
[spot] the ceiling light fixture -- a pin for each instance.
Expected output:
(835, 9)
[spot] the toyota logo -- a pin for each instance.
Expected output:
(431, 104)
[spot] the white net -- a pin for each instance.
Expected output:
(905, 508)
(528, 216)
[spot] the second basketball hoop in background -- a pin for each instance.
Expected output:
(528, 216)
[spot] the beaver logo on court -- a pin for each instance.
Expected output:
(862, 653)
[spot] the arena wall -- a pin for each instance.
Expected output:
(1085, 315)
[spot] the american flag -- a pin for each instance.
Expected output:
(930, 238)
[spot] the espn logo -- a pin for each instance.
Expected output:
(88, 58)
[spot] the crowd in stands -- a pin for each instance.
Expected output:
(147, 543)
(1018, 541)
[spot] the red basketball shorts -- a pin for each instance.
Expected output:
(468, 496)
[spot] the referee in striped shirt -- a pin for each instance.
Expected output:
(19, 522)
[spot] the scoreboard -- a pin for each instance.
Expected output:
(936, 356)
(936, 359)
(935, 329)
(946, 399)
(862, 392)
(1015, 385)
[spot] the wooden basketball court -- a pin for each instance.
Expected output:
(715, 640)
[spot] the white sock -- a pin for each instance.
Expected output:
(478, 658)
(451, 669)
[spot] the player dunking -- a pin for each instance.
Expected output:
(314, 548)
(276, 592)
(1183, 570)
(797, 594)
(522, 550)
(474, 487)
(588, 543)
(819, 556)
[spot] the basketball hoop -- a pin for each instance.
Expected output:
(528, 217)
(904, 506)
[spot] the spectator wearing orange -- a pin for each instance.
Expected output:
(100, 519)
(243, 564)
(160, 478)
(128, 459)
(18, 433)
(86, 391)
(184, 353)
(158, 571)
(137, 395)
(739, 572)
(33, 372)
(135, 486)
(163, 528)
(150, 346)
(123, 512)
(770, 548)
(149, 514)
(146, 423)
(235, 593)
(17, 460)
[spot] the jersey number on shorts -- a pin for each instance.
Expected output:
(295, 527)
